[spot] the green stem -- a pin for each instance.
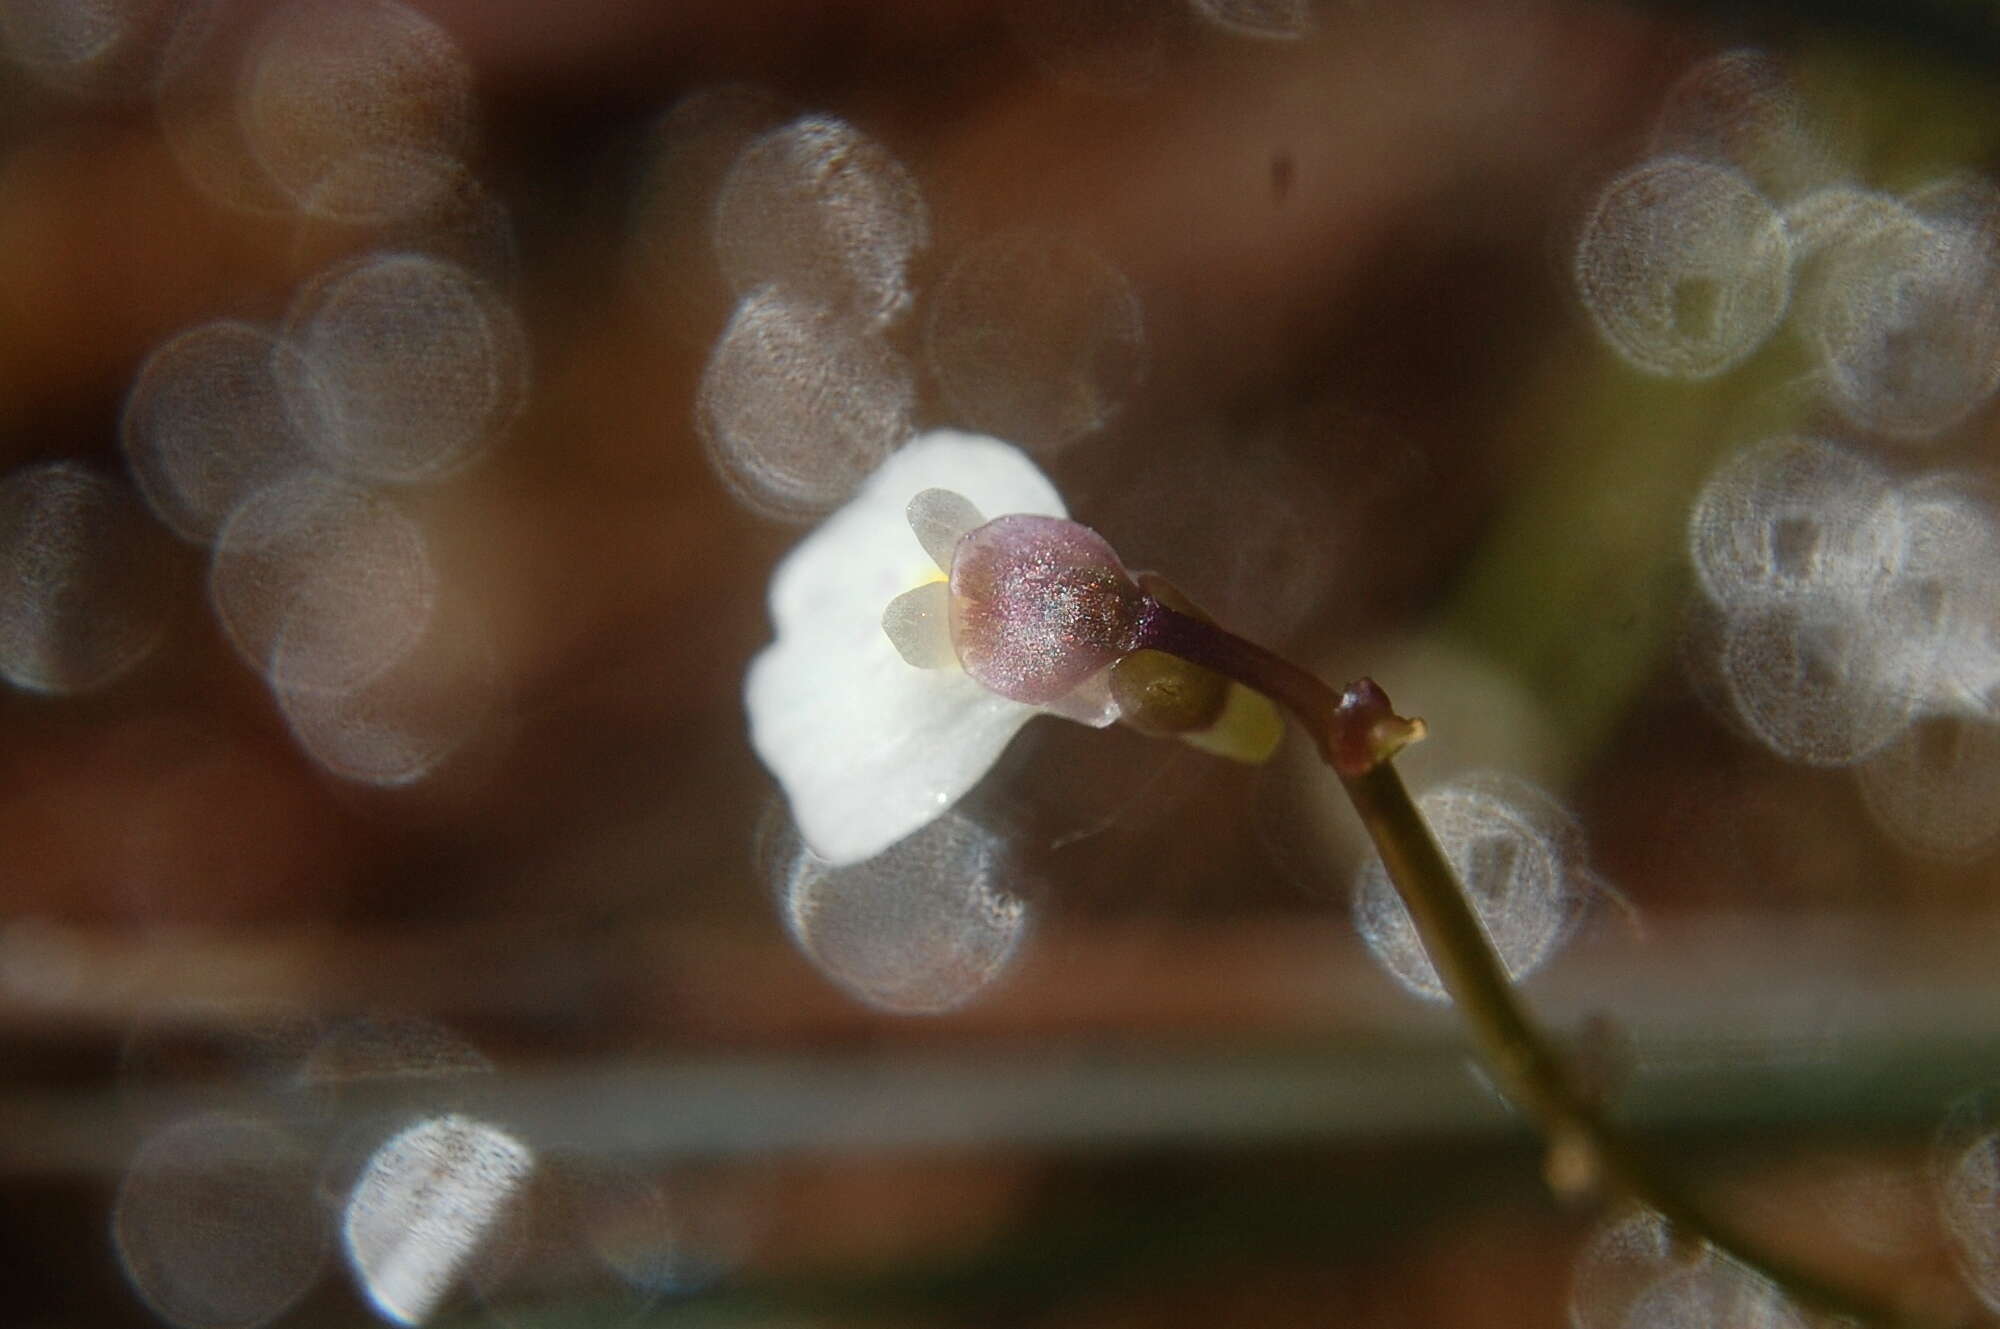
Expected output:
(1530, 1071)
(1358, 734)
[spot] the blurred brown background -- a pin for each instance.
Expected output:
(1373, 429)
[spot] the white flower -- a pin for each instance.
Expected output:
(868, 747)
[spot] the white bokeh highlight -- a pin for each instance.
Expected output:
(1969, 1203)
(688, 154)
(1035, 338)
(799, 402)
(582, 1231)
(109, 48)
(1900, 306)
(83, 598)
(404, 724)
(1790, 520)
(1632, 1274)
(422, 1209)
(215, 1223)
(821, 209)
(407, 365)
(1965, 1187)
(1935, 788)
(1520, 857)
(1796, 542)
(1946, 598)
(321, 585)
(1739, 108)
(919, 929)
(1854, 621)
(337, 99)
(1814, 682)
(206, 424)
(1684, 266)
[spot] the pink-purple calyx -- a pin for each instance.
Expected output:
(1037, 609)
(1034, 608)
(1040, 605)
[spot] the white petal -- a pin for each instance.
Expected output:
(940, 518)
(918, 625)
(868, 748)
(994, 477)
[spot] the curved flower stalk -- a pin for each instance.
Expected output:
(915, 637)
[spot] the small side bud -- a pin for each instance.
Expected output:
(1166, 694)
(1162, 694)
(1039, 604)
